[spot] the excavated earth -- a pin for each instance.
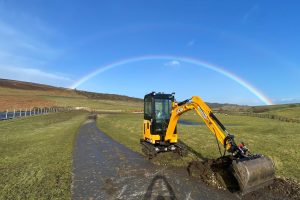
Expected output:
(105, 169)
(207, 172)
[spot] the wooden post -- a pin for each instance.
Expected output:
(20, 113)
(14, 115)
(6, 114)
(25, 112)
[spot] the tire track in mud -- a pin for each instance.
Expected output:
(105, 169)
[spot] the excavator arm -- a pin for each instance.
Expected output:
(251, 171)
(206, 114)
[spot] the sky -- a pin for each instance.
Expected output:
(243, 52)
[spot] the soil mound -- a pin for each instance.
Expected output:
(215, 172)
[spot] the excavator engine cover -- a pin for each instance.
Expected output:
(253, 173)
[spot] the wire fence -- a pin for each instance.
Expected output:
(17, 113)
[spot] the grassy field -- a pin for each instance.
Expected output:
(279, 140)
(95, 103)
(290, 111)
(36, 156)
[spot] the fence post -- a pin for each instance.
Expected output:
(20, 113)
(14, 115)
(6, 114)
(25, 112)
(30, 112)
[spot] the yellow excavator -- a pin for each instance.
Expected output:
(161, 114)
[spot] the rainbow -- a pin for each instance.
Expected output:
(193, 61)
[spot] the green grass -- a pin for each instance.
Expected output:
(279, 140)
(291, 111)
(36, 156)
(285, 110)
(95, 103)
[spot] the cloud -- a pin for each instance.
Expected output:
(26, 41)
(173, 63)
(19, 40)
(286, 100)
(191, 43)
(32, 74)
(250, 12)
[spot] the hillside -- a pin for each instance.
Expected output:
(20, 95)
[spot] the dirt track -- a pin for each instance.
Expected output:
(105, 169)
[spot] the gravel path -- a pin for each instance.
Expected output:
(105, 169)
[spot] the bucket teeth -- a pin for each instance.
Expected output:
(253, 174)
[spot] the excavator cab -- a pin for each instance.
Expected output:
(157, 113)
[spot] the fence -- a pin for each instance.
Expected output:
(17, 113)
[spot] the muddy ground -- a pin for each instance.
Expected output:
(105, 169)
(281, 188)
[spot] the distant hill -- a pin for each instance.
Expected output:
(104, 96)
(22, 85)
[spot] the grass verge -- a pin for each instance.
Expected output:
(279, 140)
(36, 156)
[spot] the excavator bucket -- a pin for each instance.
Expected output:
(253, 174)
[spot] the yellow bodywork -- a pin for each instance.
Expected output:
(201, 108)
(152, 137)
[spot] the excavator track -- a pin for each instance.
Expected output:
(148, 149)
(181, 150)
(151, 151)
